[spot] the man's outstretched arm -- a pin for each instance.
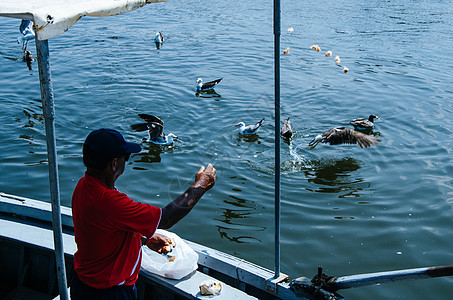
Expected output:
(176, 210)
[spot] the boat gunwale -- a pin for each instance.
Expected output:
(237, 272)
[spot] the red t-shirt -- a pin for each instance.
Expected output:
(108, 227)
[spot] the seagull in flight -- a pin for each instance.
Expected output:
(155, 127)
(203, 87)
(26, 33)
(249, 129)
(341, 135)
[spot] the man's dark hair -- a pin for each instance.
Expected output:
(90, 162)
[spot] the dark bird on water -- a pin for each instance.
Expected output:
(202, 87)
(155, 127)
(341, 135)
(28, 58)
(286, 131)
(363, 124)
(249, 129)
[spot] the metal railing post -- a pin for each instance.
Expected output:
(277, 29)
(42, 50)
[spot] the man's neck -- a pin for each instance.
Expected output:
(103, 176)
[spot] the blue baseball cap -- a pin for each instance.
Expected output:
(103, 145)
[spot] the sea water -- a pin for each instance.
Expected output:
(348, 209)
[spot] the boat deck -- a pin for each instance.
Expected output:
(26, 254)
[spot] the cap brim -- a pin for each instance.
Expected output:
(133, 148)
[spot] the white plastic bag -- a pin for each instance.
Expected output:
(184, 261)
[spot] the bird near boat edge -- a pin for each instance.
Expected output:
(26, 33)
(364, 124)
(342, 135)
(28, 58)
(249, 129)
(155, 127)
(203, 87)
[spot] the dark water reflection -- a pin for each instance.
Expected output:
(335, 177)
(208, 94)
(252, 138)
(234, 220)
(32, 117)
(223, 231)
(151, 153)
(33, 113)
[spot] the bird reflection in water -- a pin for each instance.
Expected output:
(32, 117)
(334, 177)
(253, 138)
(234, 220)
(33, 114)
(207, 94)
(151, 154)
(237, 239)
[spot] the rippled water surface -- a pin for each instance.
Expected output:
(348, 209)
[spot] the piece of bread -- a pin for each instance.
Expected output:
(210, 288)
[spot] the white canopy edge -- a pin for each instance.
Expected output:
(53, 17)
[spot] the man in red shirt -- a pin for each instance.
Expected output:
(109, 226)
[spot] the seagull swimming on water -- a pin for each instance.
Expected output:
(249, 129)
(203, 87)
(159, 39)
(155, 127)
(363, 124)
(341, 135)
(286, 131)
(26, 33)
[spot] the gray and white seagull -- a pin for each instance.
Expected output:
(249, 129)
(203, 87)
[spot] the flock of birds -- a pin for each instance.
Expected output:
(360, 135)
(341, 135)
(155, 126)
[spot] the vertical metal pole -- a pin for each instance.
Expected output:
(42, 50)
(277, 29)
